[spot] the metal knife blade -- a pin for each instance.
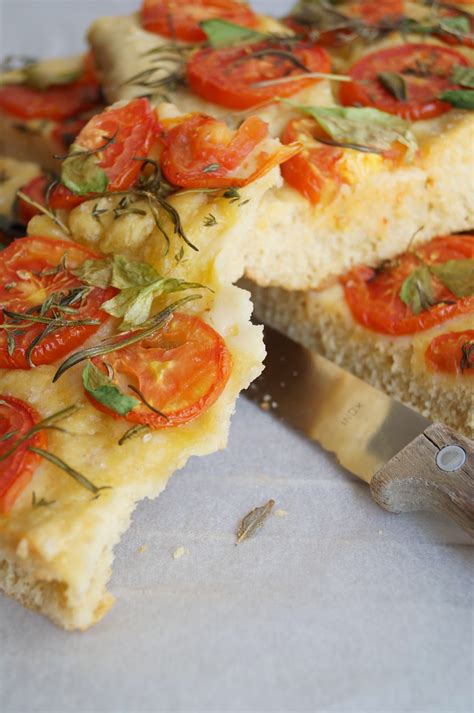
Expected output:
(362, 426)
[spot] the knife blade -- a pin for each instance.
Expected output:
(409, 463)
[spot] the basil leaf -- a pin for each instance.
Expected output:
(463, 76)
(103, 390)
(460, 98)
(417, 290)
(395, 84)
(82, 173)
(96, 273)
(454, 25)
(221, 33)
(364, 126)
(456, 275)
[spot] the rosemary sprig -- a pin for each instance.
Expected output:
(109, 140)
(299, 77)
(78, 477)
(113, 344)
(132, 432)
(147, 403)
(210, 220)
(40, 426)
(44, 210)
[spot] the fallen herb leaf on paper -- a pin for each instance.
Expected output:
(253, 521)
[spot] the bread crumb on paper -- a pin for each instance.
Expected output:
(280, 513)
(180, 552)
(141, 550)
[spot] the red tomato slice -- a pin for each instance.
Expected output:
(36, 190)
(452, 353)
(133, 127)
(315, 169)
(180, 18)
(373, 12)
(181, 371)
(17, 470)
(226, 76)
(56, 103)
(427, 72)
(373, 296)
(202, 152)
(27, 279)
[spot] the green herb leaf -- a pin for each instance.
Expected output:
(103, 390)
(395, 84)
(140, 285)
(417, 290)
(463, 76)
(455, 25)
(456, 275)
(82, 174)
(460, 98)
(364, 127)
(221, 33)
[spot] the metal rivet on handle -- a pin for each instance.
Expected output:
(450, 458)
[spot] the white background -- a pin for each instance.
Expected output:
(337, 607)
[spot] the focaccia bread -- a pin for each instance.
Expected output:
(419, 349)
(43, 106)
(13, 175)
(368, 202)
(60, 523)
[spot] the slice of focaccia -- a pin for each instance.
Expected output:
(376, 171)
(13, 175)
(406, 328)
(43, 105)
(145, 269)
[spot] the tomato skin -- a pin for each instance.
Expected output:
(181, 371)
(315, 169)
(422, 102)
(373, 297)
(18, 264)
(200, 142)
(133, 127)
(36, 190)
(55, 103)
(18, 469)
(445, 354)
(225, 76)
(180, 19)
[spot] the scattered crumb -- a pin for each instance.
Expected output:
(147, 437)
(274, 404)
(282, 384)
(265, 406)
(267, 397)
(141, 550)
(280, 513)
(180, 552)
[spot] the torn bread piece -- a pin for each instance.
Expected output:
(58, 530)
(421, 354)
(13, 175)
(44, 104)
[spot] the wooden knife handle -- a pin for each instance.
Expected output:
(434, 472)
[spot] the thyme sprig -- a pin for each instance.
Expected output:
(132, 432)
(78, 477)
(142, 398)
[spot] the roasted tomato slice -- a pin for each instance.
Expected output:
(31, 271)
(374, 296)
(452, 353)
(180, 18)
(227, 76)
(202, 152)
(126, 132)
(376, 13)
(36, 191)
(16, 471)
(180, 371)
(426, 70)
(314, 171)
(56, 103)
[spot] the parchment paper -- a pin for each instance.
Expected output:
(337, 606)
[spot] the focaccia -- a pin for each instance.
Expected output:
(374, 207)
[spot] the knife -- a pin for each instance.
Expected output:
(409, 462)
